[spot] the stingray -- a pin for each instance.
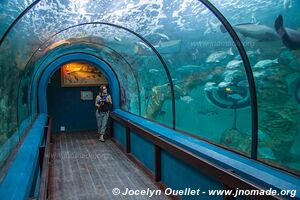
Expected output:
(289, 37)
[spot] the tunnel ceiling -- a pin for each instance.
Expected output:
(154, 20)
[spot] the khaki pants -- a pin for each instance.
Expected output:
(102, 118)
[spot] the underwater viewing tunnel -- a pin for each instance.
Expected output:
(205, 99)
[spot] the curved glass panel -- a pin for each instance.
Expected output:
(117, 46)
(211, 88)
(9, 79)
(275, 64)
(169, 26)
(9, 11)
(121, 68)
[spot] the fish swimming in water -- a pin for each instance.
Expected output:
(234, 64)
(162, 112)
(153, 70)
(231, 75)
(243, 83)
(218, 56)
(289, 37)
(143, 45)
(164, 37)
(252, 53)
(224, 84)
(255, 31)
(186, 99)
(117, 39)
(228, 90)
(265, 63)
(235, 96)
(258, 74)
(208, 112)
(210, 86)
(191, 67)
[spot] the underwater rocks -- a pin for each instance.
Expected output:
(162, 92)
(237, 140)
(278, 121)
(159, 95)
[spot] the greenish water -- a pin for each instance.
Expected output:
(211, 89)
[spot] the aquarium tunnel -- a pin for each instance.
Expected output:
(205, 99)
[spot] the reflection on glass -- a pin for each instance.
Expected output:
(9, 79)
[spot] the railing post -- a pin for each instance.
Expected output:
(128, 140)
(157, 158)
(41, 157)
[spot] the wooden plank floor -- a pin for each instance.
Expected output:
(84, 168)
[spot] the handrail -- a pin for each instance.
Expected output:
(43, 192)
(226, 177)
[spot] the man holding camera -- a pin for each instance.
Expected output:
(102, 102)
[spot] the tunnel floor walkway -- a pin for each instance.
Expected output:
(84, 168)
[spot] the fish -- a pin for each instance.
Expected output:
(250, 54)
(117, 39)
(289, 37)
(143, 45)
(210, 86)
(243, 83)
(223, 84)
(228, 90)
(230, 75)
(162, 112)
(234, 64)
(208, 112)
(153, 70)
(163, 36)
(235, 96)
(186, 99)
(265, 63)
(191, 67)
(256, 31)
(218, 56)
(287, 4)
(258, 74)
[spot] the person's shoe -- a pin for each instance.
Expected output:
(101, 138)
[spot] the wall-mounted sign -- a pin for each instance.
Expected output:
(77, 74)
(86, 95)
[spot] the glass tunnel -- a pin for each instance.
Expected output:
(218, 80)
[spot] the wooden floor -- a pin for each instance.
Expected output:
(84, 168)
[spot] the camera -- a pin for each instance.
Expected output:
(102, 100)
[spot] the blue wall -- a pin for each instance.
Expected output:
(67, 109)
(142, 149)
(119, 133)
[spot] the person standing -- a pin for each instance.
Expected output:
(102, 102)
